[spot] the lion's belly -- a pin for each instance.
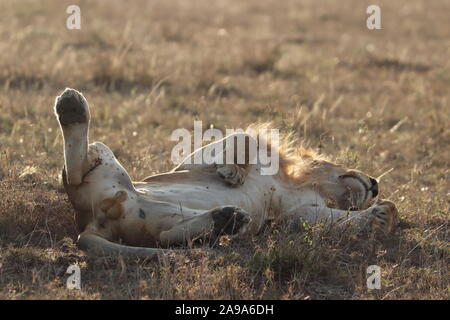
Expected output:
(254, 196)
(203, 197)
(194, 196)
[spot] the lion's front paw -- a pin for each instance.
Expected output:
(383, 215)
(230, 174)
(229, 220)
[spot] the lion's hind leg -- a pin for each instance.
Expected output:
(226, 220)
(73, 115)
(229, 220)
(95, 244)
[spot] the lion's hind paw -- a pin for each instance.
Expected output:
(229, 220)
(71, 108)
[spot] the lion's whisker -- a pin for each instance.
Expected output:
(384, 173)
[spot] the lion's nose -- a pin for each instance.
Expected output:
(374, 187)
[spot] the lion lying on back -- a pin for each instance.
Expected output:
(203, 201)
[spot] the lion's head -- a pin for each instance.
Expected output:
(341, 187)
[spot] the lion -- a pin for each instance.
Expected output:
(201, 202)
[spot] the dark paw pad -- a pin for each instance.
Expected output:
(229, 220)
(71, 108)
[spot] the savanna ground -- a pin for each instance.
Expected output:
(372, 100)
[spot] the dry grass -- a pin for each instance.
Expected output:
(373, 100)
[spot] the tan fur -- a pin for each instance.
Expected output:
(205, 201)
